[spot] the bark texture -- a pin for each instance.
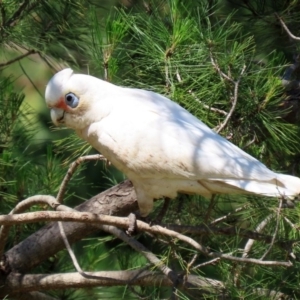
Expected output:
(119, 200)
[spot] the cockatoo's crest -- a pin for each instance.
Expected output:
(56, 86)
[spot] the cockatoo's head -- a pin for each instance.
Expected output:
(73, 99)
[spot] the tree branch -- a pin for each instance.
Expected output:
(137, 246)
(220, 111)
(29, 52)
(221, 219)
(236, 87)
(16, 282)
(258, 229)
(119, 200)
(22, 206)
(24, 9)
(275, 232)
(235, 98)
(85, 217)
(74, 165)
(286, 29)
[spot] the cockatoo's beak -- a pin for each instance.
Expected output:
(57, 116)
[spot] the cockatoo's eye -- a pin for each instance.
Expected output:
(71, 100)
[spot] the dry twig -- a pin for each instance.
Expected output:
(221, 219)
(22, 206)
(74, 165)
(29, 52)
(235, 94)
(287, 29)
(220, 111)
(90, 218)
(139, 277)
(210, 262)
(276, 230)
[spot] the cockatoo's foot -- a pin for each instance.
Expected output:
(132, 224)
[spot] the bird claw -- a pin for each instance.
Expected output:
(132, 224)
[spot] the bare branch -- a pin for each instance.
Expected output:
(210, 262)
(235, 98)
(250, 243)
(32, 51)
(220, 111)
(178, 76)
(72, 255)
(236, 87)
(276, 230)
(119, 200)
(216, 66)
(258, 229)
(137, 246)
(90, 218)
(71, 171)
(221, 219)
(192, 261)
(22, 206)
(286, 29)
(291, 223)
(19, 282)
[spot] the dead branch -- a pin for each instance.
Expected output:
(221, 219)
(235, 94)
(220, 111)
(22, 206)
(137, 246)
(59, 199)
(275, 232)
(235, 98)
(250, 244)
(258, 229)
(210, 262)
(216, 66)
(16, 282)
(85, 217)
(18, 58)
(74, 165)
(287, 29)
(119, 200)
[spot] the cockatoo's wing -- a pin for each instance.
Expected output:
(158, 137)
(151, 137)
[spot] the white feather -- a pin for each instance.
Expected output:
(159, 145)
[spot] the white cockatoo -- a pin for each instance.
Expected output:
(159, 145)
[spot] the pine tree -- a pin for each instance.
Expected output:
(237, 77)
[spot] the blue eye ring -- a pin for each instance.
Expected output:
(71, 100)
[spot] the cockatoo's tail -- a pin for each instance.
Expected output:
(160, 146)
